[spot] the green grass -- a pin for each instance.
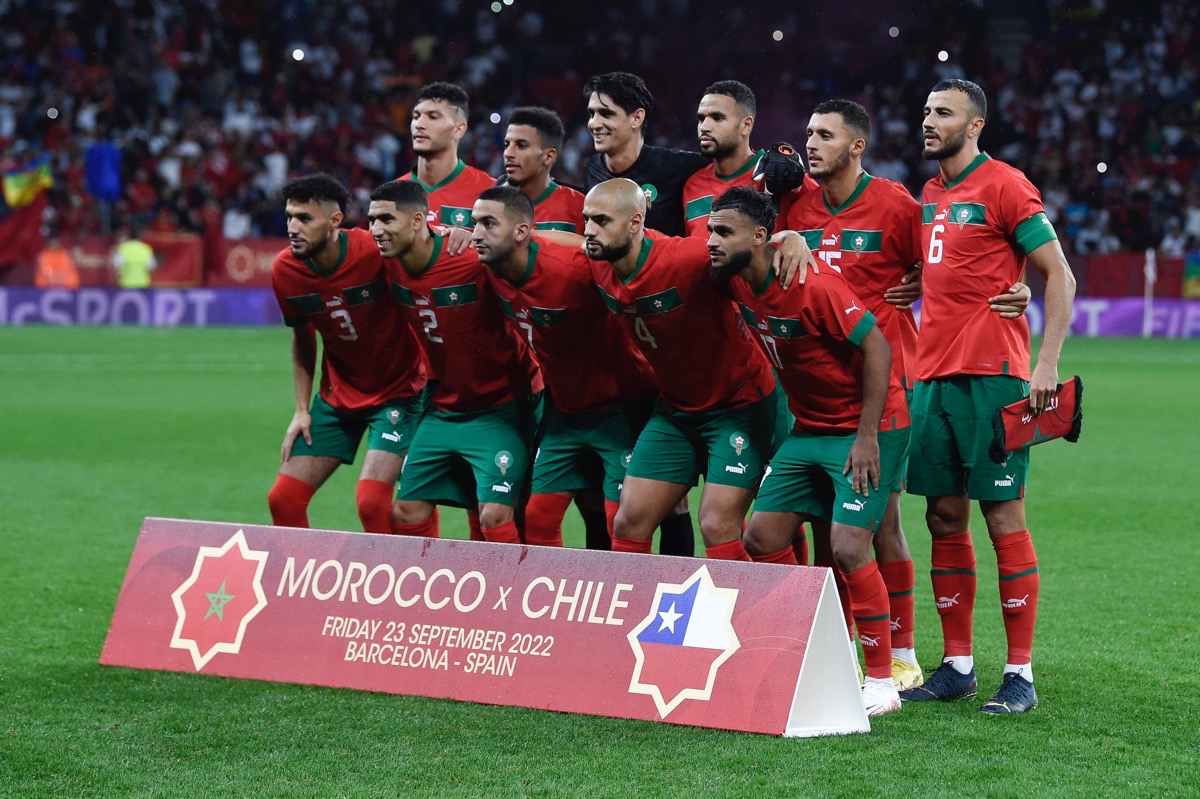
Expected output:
(101, 427)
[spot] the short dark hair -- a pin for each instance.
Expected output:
(321, 187)
(449, 93)
(740, 93)
(512, 198)
(404, 193)
(625, 89)
(549, 127)
(853, 115)
(750, 203)
(973, 91)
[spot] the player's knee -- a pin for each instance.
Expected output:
(851, 548)
(404, 512)
(716, 525)
(1004, 517)
(626, 525)
(755, 540)
(288, 501)
(373, 505)
(493, 515)
(947, 518)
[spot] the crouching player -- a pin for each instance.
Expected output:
(842, 459)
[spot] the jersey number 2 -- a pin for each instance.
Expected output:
(430, 325)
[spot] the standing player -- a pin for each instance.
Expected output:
(717, 414)
(600, 388)
(980, 221)
(844, 453)
(331, 282)
(531, 145)
(439, 121)
(472, 446)
(724, 121)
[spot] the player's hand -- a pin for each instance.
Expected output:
(301, 426)
(793, 259)
(780, 169)
(908, 292)
(458, 239)
(1042, 386)
(1012, 304)
(863, 464)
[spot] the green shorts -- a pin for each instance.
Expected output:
(729, 447)
(805, 476)
(336, 434)
(951, 434)
(465, 459)
(579, 450)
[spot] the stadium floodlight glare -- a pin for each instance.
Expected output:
(943, 55)
(495, 118)
(777, 36)
(496, 7)
(298, 54)
(52, 113)
(1101, 167)
(508, 2)
(893, 31)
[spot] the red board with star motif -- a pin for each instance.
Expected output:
(738, 646)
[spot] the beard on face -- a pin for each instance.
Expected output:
(950, 147)
(613, 252)
(734, 263)
(719, 150)
(311, 249)
(826, 169)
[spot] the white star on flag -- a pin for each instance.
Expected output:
(669, 617)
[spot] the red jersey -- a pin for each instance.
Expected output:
(705, 185)
(451, 200)
(559, 208)
(975, 233)
(687, 328)
(369, 354)
(873, 237)
(476, 359)
(812, 333)
(587, 359)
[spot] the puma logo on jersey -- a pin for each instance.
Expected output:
(944, 602)
(867, 640)
(503, 488)
(856, 506)
(739, 469)
(334, 303)
(397, 437)
(853, 307)
(1016, 603)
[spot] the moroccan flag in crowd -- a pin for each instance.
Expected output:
(23, 184)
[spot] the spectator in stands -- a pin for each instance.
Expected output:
(133, 260)
(55, 266)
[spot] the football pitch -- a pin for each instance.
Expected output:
(100, 427)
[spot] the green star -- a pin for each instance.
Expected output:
(217, 602)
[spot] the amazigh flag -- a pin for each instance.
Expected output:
(23, 184)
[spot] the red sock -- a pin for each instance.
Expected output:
(840, 582)
(374, 499)
(730, 550)
(502, 533)
(786, 556)
(610, 513)
(899, 578)
(800, 545)
(288, 500)
(473, 524)
(632, 544)
(543, 519)
(869, 599)
(953, 577)
(425, 529)
(1019, 581)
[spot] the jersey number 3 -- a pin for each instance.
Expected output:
(343, 318)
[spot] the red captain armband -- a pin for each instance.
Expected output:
(1014, 427)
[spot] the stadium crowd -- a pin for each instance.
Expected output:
(192, 116)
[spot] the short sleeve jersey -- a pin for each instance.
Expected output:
(687, 327)
(588, 360)
(873, 237)
(369, 353)
(661, 172)
(975, 233)
(476, 359)
(706, 185)
(811, 333)
(451, 200)
(559, 208)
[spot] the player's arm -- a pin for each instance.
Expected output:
(863, 463)
(458, 239)
(1051, 262)
(560, 237)
(908, 291)
(304, 367)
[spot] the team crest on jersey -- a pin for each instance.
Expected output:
(651, 192)
(859, 242)
(503, 461)
(964, 216)
(626, 457)
(394, 417)
(738, 441)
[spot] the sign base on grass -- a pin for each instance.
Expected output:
(738, 646)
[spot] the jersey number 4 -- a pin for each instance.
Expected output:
(643, 332)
